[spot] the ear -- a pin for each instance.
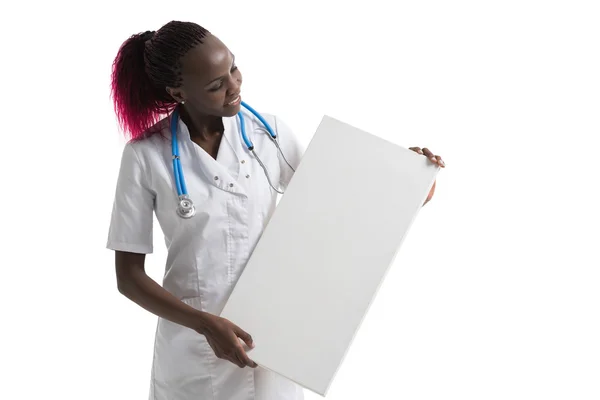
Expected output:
(177, 94)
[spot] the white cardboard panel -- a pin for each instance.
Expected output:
(316, 269)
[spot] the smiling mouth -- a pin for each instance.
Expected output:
(235, 101)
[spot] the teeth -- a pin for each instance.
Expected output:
(234, 100)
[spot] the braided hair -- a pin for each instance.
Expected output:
(146, 64)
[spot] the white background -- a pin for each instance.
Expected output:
(495, 293)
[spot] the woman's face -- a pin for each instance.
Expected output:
(211, 82)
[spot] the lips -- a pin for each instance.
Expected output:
(233, 101)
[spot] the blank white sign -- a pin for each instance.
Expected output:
(320, 261)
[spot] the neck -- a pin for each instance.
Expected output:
(202, 127)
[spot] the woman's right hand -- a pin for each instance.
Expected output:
(223, 336)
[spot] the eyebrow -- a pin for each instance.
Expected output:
(222, 77)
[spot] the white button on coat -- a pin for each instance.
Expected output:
(207, 253)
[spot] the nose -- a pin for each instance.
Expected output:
(234, 85)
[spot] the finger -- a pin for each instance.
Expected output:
(219, 353)
(429, 155)
(238, 362)
(431, 191)
(222, 355)
(243, 357)
(416, 149)
(245, 336)
(232, 357)
(440, 162)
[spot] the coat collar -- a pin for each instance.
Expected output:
(223, 172)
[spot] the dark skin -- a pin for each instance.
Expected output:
(434, 159)
(210, 82)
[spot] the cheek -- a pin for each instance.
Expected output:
(214, 99)
(237, 76)
(207, 98)
(207, 102)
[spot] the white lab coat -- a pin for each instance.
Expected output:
(207, 253)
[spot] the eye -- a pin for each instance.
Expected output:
(220, 85)
(216, 88)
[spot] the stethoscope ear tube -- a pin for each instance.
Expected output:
(185, 207)
(266, 172)
(177, 170)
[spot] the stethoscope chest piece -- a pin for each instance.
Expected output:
(186, 208)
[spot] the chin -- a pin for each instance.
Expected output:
(231, 111)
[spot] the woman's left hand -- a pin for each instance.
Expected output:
(434, 159)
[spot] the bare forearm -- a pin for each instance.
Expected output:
(144, 291)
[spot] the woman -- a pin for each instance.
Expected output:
(184, 68)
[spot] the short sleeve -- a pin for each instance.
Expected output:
(132, 214)
(292, 149)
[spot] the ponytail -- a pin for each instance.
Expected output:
(135, 97)
(146, 64)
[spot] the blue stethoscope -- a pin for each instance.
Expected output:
(185, 208)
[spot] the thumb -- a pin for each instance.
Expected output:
(245, 336)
